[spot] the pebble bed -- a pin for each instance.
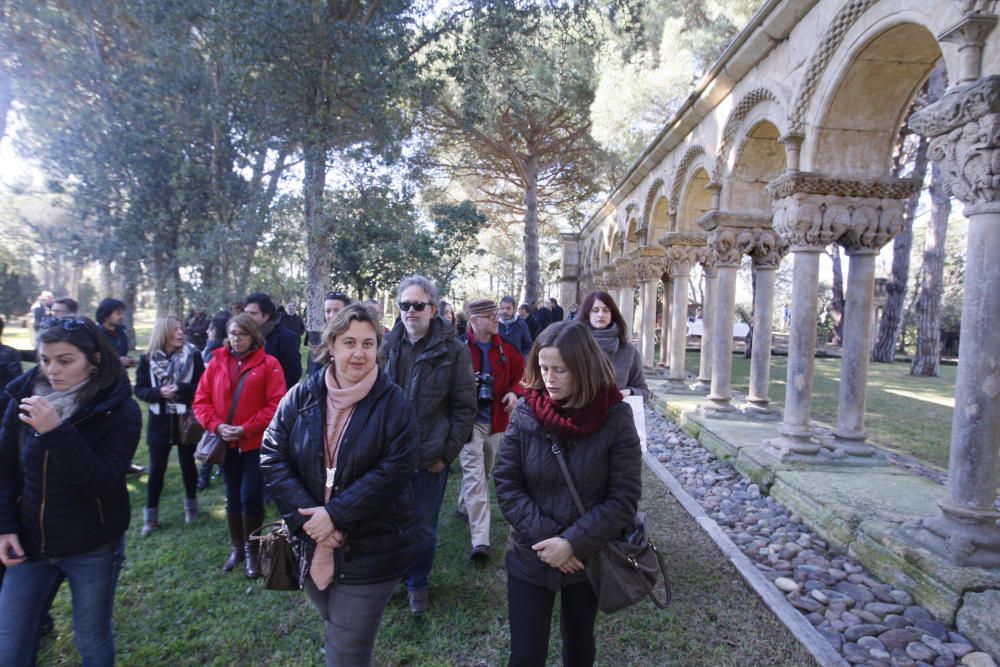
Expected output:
(867, 621)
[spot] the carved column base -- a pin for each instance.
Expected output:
(852, 444)
(792, 447)
(761, 411)
(717, 407)
(702, 386)
(967, 542)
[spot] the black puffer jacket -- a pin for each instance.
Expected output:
(63, 492)
(442, 389)
(371, 501)
(606, 467)
(164, 429)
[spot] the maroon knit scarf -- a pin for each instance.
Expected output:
(571, 421)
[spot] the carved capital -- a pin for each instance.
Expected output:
(626, 272)
(964, 126)
(812, 183)
(683, 250)
(768, 250)
(729, 244)
(714, 219)
(874, 223)
(649, 264)
(610, 278)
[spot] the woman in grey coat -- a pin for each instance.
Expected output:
(601, 314)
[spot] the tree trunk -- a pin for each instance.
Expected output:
(532, 279)
(928, 307)
(319, 252)
(837, 300)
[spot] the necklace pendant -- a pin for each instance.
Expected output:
(331, 473)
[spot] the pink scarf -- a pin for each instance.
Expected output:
(340, 402)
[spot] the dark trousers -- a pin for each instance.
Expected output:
(158, 457)
(530, 611)
(244, 483)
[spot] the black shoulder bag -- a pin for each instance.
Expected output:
(628, 567)
(211, 448)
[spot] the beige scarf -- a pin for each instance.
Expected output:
(340, 402)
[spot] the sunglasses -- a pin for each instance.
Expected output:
(336, 296)
(67, 323)
(415, 305)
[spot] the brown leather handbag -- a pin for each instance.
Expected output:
(282, 568)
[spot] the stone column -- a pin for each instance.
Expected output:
(768, 251)
(649, 270)
(668, 297)
(730, 237)
(707, 326)
(810, 212)
(683, 249)
(570, 279)
(873, 224)
(679, 270)
(964, 126)
(626, 294)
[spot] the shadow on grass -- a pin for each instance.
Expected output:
(174, 607)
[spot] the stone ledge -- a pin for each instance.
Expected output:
(859, 509)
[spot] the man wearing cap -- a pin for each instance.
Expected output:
(498, 368)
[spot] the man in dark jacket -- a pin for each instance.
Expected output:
(435, 372)
(542, 315)
(498, 369)
(513, 329)
(279, 342)
(525, 312)
(556, 310)
(111, 317)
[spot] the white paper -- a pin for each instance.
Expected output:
(639, 412)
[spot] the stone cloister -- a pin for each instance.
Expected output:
(784, 148)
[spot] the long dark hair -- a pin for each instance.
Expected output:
(589, 368)
(616, 315)
(84, 335)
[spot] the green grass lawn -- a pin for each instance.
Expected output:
(174, 607)
(905, 413)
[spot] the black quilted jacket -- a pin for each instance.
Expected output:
(372, 501)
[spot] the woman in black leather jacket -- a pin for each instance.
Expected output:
(571, 400)
(337, 459)
(69, 432)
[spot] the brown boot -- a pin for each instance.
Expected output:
(252, 547)
(236, 539)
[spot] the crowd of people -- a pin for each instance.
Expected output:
(355, 455)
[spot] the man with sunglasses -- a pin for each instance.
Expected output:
(435, 372)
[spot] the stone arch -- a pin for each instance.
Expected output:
(758, 159)
(860, 113)
(697, 198)
(659, 223)
(647, 210)
(680, 174)
(731, 130)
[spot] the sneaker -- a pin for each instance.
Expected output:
(480, 553)
(135, 469)
(419, 601)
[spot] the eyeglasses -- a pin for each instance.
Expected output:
(238, 335)
(415, 305)
(67, 323)
(336, 296)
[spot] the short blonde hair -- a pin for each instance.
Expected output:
(587, 364)
(163, 328)
(341, 322)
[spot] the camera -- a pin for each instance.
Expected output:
(484, 382)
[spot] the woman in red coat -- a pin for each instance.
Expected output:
(242, 357)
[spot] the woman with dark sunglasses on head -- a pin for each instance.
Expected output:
(571, 403)
(68, 436)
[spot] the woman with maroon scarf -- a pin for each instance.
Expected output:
(571, 401)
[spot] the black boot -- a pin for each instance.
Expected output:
(236, 539)
(204, 476)
(252, 547)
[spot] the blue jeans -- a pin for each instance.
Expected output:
(428, 492)
(27, 593)
(244, 483)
